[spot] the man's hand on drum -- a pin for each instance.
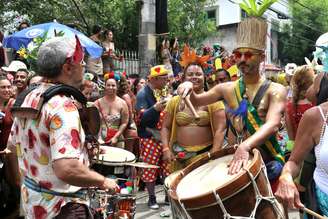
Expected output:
(110, 185)
(287, 192)
(185, 89)
(168, 156)
(239, 160)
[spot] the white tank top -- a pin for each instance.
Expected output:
(321, 153)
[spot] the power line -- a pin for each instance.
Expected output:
(297, 21)
(280, 13)
(304, 6)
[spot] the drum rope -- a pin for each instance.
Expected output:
(184, 209)
(258, 197)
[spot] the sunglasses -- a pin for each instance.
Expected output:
(247, 55)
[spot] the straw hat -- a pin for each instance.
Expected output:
(251, 33)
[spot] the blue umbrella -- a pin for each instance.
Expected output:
(25, 36)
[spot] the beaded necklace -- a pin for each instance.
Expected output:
(321, 138)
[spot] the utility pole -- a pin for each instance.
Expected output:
(147, 38)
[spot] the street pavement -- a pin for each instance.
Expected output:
(142, 208)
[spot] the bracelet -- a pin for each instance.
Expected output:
(286, 176)
(165, 149)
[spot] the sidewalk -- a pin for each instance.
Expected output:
(142, 208)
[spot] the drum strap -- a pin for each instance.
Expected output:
(31, 184)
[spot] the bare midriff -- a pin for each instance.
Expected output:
(194, 135)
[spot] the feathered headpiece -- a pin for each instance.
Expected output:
(189, 56)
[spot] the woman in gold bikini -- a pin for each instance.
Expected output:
(186, 138)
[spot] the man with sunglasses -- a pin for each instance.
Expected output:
(254, 105)
(51, 152)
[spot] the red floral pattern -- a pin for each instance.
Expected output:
(55, 135)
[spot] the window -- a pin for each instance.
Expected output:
(212, 14)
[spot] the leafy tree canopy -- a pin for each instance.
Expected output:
(297, 39)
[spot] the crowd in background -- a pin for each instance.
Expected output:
(114, 93)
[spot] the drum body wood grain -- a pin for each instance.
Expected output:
(196, 186)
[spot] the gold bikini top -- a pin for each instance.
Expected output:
(184, 119)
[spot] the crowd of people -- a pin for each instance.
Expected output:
(191, 104)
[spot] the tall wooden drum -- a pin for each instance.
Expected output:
(204, 190)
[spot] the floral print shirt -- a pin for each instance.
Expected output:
(56, 134)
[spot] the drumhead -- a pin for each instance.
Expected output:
(169, 179)
(206, 178)
(115, 155)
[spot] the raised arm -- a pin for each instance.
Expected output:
(305, 139)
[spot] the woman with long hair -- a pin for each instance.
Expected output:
(301, 81)
(114, 114)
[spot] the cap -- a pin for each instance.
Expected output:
(158, 70)
(14, 66)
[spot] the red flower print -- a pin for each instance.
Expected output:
(62, 150)
(75, 142)
(58, 205)
(31, 139)
(34, 170)
(39, 212)
(34, 103)
(25, 163)
(158, 69)
(45, 184)
(45, 139)
(69, 106)
(181, 155)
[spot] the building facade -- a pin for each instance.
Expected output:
(227, 14)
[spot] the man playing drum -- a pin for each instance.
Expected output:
(50, 147)
(254, 105)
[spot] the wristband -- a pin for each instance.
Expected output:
(165, 149)
(287, 177)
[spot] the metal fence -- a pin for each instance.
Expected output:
(130, 63)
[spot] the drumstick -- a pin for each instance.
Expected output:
(314, 214)
(5, 151)
(191, 107)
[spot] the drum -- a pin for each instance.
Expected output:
(177, 212)
(204, 190)
(112, 159)
(112, 206)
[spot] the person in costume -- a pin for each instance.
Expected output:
(254, 105)
(151, 102)
(223, 71)
(186, 139)
(113, 112)
(49, 151)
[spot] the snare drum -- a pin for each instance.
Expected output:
(112, 161)
(204, 189)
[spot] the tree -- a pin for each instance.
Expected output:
(297, 39)
(188, 20)
(120, 16)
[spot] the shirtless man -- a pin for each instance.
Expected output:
(267, 115)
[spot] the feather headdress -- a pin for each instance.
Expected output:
(189, 56)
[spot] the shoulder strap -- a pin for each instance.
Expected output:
(260, 93)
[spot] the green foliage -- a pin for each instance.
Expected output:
(188, 21)
(253, 10)
(120, 16)
(296, 40)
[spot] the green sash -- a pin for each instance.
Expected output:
(253, 123)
